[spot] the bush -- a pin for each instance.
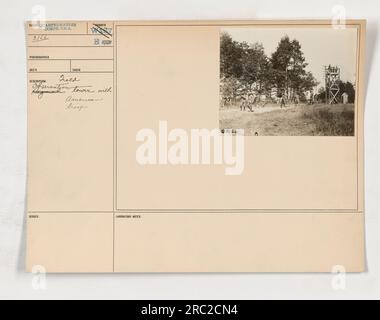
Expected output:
(332, 123)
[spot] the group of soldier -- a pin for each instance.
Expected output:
(253, 100)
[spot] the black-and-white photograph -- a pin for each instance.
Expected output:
(298, 81)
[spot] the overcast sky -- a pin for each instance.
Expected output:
(321, 46)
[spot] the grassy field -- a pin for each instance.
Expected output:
(300, 120)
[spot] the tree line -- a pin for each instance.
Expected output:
(243, 66)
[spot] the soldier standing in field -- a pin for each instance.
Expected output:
(282, 100)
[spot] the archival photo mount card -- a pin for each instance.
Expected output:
(195, 146)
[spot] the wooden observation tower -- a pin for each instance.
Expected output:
(332, 79)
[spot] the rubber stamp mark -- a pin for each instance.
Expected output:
(101, 30)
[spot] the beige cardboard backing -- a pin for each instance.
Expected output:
(297, 207)
(70, 242)
(247, 243)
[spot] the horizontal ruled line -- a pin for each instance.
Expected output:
(70, 46)
(34, 59)
(203, 211)
(70, 71)
(64, 34)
